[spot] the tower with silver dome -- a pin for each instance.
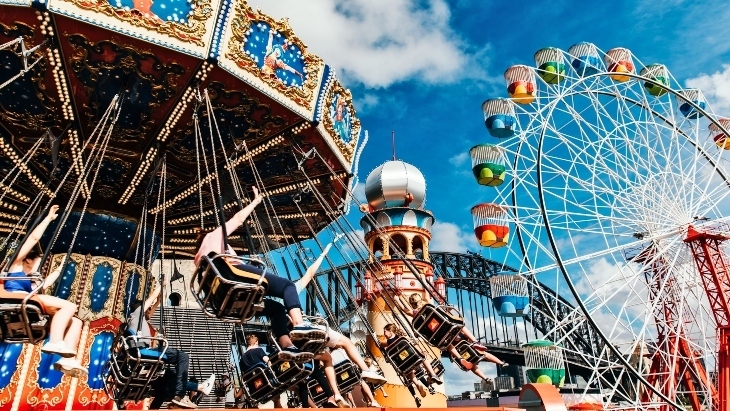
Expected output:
(397, 229)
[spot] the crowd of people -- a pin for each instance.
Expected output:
(281, 306)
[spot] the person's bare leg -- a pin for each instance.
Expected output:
(329, 372)
(469, 336)
(429, 369)
(491, 358)
(367, 393)
(296, 316)
(479, 373)
(73, 333)
(285, 341)
(61, 319)
(453, 351)
(277, 402)
(351, 350)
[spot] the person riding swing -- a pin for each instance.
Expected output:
(65, 329)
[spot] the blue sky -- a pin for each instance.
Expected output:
(423, 68)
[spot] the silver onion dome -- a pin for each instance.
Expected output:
(395, 184)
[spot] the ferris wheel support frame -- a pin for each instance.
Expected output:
(713, 268)
(562, 266)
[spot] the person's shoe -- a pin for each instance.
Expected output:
(70, 366)
(375, 404)
(422, 390)
(373, 377)
(341, 402)
(466, 364)
(59, 348)
(431, 390)
(385, 394)
(306, 331)
(208, 385)
(294, 354)
(504, 365)
(183, 402)
(418, 402)
(435, 380)
(480, 348)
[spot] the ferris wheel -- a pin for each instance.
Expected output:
(610, 167)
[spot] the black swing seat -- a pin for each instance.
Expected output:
(436, 364)
(133, 366)
(260, 382)
(403, 355)
(22, 320)
(230, 288)
(316, 391)
(468, 353)
(263, 383)
(348, 376)
(439, 325)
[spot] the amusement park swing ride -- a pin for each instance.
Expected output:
(148, 124)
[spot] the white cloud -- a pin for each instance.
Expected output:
(366, 103)
(380, 42)
(449, 237)
(716, 88)
(458, 159)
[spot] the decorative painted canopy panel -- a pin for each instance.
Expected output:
(266, 90)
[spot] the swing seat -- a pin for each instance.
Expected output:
(316, 392)
(260, 382)
(132, 366)
(403, 355)
(468, 353)
(230, 288)
(347, 375)
(439, 325)
(22, 320)
(289, 372)
(436, 364)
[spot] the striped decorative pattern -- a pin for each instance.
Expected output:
(207, 340)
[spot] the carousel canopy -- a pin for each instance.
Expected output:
(284, 119)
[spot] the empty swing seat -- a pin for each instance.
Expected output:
(468, 353)
(230, 288)
(22, 320)
(316, 392)
(439, 325)
(132, 366)
(403, 355)
(260, 382)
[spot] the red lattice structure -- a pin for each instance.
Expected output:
(712, 265)
(678, 362)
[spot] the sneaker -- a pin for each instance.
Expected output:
(418, 402)
(294, 354)
(183, 402)
(504, 365)
(480, 348)
(431, 390)
(70, 366)
(435, 380)
(375, 404)
(422, 390)
(466, 364)
(307, 332)
(59, 348)
(341, 402)
(208, 385)
(373, 377)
